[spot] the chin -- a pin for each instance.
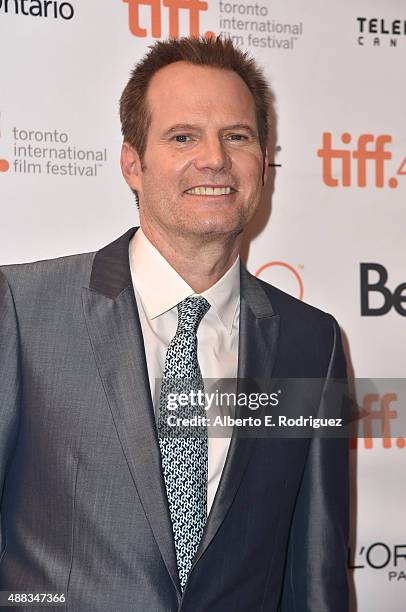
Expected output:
(213, 230)
(215, 224)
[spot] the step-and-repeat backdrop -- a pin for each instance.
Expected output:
(336, 231)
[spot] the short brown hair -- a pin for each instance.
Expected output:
(214, 52)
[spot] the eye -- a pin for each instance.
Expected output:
(182, 138)
(237, 137)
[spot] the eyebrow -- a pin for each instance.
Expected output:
(190, 126)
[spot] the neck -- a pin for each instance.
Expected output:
(200, 261)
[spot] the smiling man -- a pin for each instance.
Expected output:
(199, 178)
(101, 503)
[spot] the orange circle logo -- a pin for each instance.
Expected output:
(4, 165)
(285, 266)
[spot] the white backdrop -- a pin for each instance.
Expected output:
(337, 70)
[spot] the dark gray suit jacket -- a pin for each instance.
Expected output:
(83, 502)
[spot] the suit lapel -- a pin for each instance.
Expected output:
(258, 339)
(115, 332)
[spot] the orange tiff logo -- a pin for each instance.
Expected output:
(377, 409)
(173, 7)
(369, 157)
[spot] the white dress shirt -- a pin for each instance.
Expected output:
(158, 289)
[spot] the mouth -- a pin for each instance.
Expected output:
(211, 190)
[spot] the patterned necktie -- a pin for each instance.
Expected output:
(184, 450)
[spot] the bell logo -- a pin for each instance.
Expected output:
(173, 7)
(285, 276)
(368, 149)
(395, 299)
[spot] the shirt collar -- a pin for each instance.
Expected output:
(169, 288)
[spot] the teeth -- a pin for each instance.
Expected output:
(210, 191)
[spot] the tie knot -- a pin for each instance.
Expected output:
(190, 312)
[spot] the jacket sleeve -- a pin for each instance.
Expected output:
(9, 384)
(316, 569)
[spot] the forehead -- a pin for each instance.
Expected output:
(183, 91)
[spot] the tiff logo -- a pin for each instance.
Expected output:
(369, 158)
(378, 409)
(194, 7)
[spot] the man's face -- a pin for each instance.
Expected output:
(203, 166)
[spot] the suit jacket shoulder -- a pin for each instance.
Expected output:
(307, 334)
(37, 277)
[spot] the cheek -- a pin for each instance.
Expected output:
(171, 174)
(253, 179)
(249, 168)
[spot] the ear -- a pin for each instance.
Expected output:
(131, 166)
(265, 167)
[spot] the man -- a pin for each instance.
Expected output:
(99, 501)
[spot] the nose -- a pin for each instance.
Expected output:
(212, 155)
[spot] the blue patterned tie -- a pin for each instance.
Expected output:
(184, 450)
